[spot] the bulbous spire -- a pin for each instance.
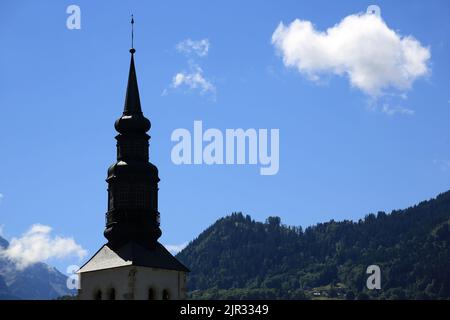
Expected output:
(132, 214)
(132, 119)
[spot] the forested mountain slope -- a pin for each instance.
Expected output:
(238, 258)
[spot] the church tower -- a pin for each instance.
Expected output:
(132, 265)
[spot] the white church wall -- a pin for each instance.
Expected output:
(131, 282)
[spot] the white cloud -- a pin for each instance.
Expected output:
(36, 245)
(389, 110)
(444, 165)
(193, 80)
(374, 57)
(189, 46)
(175, 248)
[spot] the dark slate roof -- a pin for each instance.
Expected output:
(132, 101)
(133, 254)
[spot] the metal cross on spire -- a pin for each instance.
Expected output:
(132, 32)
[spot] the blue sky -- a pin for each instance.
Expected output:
(341, 155)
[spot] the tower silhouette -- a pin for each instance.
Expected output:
(133, 265)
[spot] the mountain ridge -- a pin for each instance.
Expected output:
(240, 258)
(38, 281)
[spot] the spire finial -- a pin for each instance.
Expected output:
(132, 50)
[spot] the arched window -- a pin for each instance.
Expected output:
(98, 295)
(165, 295)
(142, 197)
(110, 199)
(151, 294)
(122, 193)
(112, 294)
